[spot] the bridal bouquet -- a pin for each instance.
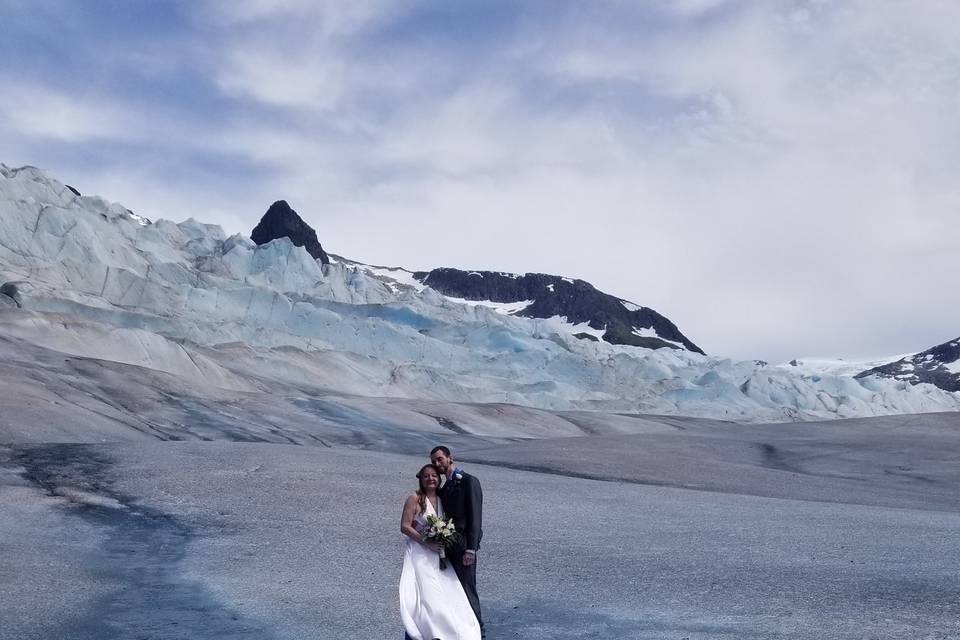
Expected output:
(440, 531)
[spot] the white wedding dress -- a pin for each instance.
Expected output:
(432, 602)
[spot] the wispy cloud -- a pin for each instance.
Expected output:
(44, 112)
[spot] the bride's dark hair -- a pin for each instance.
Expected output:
(421, 492)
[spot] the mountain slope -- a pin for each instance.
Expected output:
(85, 277)
(939, 366)
(612, 319)
(575, 305)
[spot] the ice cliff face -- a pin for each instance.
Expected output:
(87, 277)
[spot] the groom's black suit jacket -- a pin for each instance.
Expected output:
(463, 503)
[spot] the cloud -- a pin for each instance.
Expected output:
(692, 8)
(322, 18)
(284, 80)
(44, 112)
(778, 178)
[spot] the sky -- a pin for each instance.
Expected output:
(780, 179)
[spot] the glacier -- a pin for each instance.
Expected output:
(86, 277)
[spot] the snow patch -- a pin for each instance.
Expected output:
(143, 222)
(560, 324)
(395, 276)
(649, 332)
(838, 366)
(506, 308)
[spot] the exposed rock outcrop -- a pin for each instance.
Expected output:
(621, 321)
(939, 365)
(281, 221)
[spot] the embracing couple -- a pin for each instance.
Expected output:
(440, 602)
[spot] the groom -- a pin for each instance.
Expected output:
(462, 501)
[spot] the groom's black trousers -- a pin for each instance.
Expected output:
(468, 578)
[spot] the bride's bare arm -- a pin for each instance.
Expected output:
(406, 520)
(406, 523)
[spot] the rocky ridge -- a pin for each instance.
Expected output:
(939, 366)
(618, 321)
(281, 221)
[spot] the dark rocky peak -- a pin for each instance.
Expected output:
(579, 301)
(937, 366)
(281, 221)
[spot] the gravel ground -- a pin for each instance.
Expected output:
(203, 540)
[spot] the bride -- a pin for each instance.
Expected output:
(432, 601)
